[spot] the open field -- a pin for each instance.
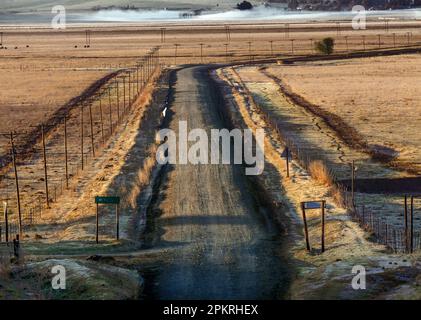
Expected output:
(320, 275)
(47, 157)
(380, 184)
(50, 71)
(205, 230)
(379, 97)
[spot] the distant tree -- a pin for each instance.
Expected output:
(245, 5)
(325, 46)
(293, 4)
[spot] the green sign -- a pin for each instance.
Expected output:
(107, 200)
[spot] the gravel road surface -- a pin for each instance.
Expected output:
(227, 247)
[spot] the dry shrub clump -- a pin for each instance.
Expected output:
(320, 172)
(143, 177)
(5, 267)
(338, 196)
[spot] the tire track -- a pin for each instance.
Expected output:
(225, 248)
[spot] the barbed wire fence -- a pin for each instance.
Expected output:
(32, 178)
(238, 49)
(400, 238)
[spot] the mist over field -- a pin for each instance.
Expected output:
(97, 11)
(45, 5)
(258, 13)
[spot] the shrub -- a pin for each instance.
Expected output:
(320, 172)
(245, 5)
(325, 46)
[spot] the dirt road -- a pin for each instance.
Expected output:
(227, 247)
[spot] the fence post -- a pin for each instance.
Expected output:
(303, 210)
(406, 223)
(16, 247)
(101, 120)
(44, 152)
(97, 223)
(66, 153)
(386, 235)
(137, 80)
(412, 225)
(117, 221)
(111, 111)
(323, 225)
(118, 100)
(124, 93)
(92, 130)
(353, 183)
(130, 89)
(16, 182)
(6, 222)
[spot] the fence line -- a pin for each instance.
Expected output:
(31, 180)
(398, 239)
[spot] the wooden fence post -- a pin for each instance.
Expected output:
(118, 100)
(406, 223)
(137, 80)
(44, 152)
(81, 136)
(130, 89)
(303, 210)
(124, 93)
(66, 160)
(102, 121)
(412, 225)
(386, 238)
(117, 221)
(353, 183)
(111, 110)
(97, 223)
(323, 225)
(6, 222)
(16, 182)
(92, 130)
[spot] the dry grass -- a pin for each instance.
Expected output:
(373, 95)
(51, 70)
(320, 172)
(142, 178)
(338, 196)
(5, 266)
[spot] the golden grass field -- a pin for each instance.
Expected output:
(51, 71)
(45, 68)
(380, 97)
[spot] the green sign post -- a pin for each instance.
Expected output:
(108, 201)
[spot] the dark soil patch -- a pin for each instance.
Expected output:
(375, 186)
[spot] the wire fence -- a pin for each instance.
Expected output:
(240, 49)
(40, 165)
(399, 238)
